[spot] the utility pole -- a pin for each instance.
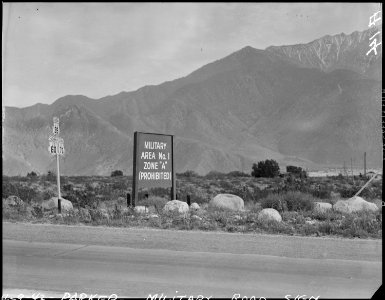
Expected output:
(345, 172)
(364, 164)
(351, 166)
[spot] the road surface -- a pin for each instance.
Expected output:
(55, 260)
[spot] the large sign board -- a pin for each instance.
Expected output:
(153, 163)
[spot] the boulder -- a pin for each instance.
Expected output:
(322, 206)
(353, 205)
(227, 201)
(141, 209)
(196, 218)
(194, 206)
(13, 201)
(269, 214)
(52, 203)
(176, 205)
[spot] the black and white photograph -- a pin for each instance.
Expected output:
(174, 150)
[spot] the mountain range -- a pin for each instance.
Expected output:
(312, 105)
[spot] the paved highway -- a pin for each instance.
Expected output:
(56, 267)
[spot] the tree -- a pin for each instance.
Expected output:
(116, 173)
(267, 168)
(298, 171)
(32, 174)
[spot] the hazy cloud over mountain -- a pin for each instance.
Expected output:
(96, 49)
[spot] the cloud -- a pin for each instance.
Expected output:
(97, 49)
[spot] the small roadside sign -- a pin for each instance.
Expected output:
(61, 149)
(52, 148)
(55, 129)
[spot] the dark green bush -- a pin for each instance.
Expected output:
(116, 173)
(267, 168)
(32, 175)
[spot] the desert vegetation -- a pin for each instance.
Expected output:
(102, 200)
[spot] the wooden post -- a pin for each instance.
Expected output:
(128, 200)
(173, 187)
(134, 175)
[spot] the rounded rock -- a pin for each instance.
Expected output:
(353, 205)
(269, 214)
(176, 205)
(52, 203)
(227, 201)
(322, 206)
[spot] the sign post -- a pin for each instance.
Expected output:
(153, 163)
(56, 147)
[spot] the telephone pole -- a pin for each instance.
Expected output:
(364, 164)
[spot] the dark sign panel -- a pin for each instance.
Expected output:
(154, 160)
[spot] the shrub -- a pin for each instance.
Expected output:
(116, 173)
(37, 211)
(157, 202)
(289, 201)
(274, 201)
(32, 175)
(297, 201)
(322, 193)
(51, 176)
(188, 173)
(237, 174)
(82, 198)
(25, 193)
(120, 185)
(215, 175)
(348, 192)
(267, 168)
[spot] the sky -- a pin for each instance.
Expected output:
(98, 49)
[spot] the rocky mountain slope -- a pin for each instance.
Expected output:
(309, 105)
